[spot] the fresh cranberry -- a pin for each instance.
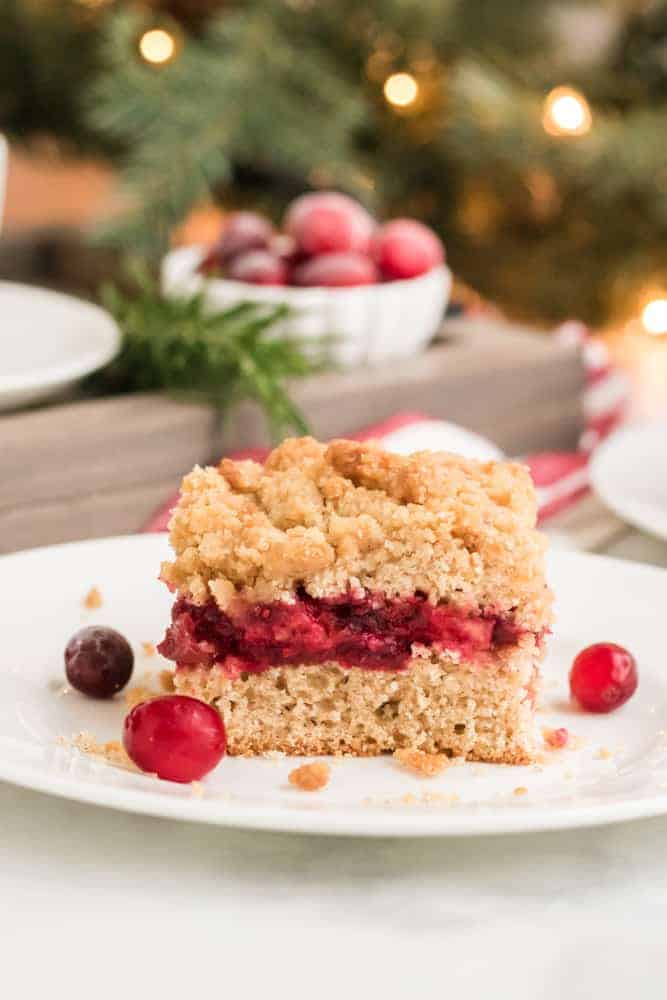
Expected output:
(603, 677)
(242, 231)
(328, 222)
(406, 248)
(176, 737)
(98, 661)
(284, 247)
(258, 267)
(336, 270)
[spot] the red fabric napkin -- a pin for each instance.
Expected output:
(561, 478)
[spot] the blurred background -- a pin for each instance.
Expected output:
(529, 136)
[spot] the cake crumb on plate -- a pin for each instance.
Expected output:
(167, 681)
(310, 777)
(409, 799)
(93, 599)
(148, 648)
(136, 695)
(556, 739)
(426, 764)
(112, 751)
(520, 790)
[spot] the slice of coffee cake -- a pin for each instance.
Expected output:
(342, 599)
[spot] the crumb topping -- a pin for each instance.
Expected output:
(166, 678)
(93, 599)
(112, 751)
(136, 695)
(425, 764)
(310, 777)
(350, 516)
(432, 799)
(148, 648)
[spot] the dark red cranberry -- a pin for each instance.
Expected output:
(258, 267)
(176, 737)
(603, 677)
(98, 661)
(336, 270)
(242, 231)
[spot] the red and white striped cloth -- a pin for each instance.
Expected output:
(561, 478)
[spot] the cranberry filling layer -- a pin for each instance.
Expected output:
(373, 632)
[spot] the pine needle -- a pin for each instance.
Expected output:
(178, 345)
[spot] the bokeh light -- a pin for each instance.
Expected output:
(401, 89)
(157, 46)
(654, 316)
(566, 112)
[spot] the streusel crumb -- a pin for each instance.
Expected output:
(310, 777)
(93, 599)
(167, 681)
(136, 695)
(112, 751)
(148, 648)
(426, 764)
(342, 516)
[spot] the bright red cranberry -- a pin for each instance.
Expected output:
(406, 248)
(176, 737)
(329, 222)
(603, 677)
(98, 661)
(258, 267)
(336, 270)
(242, 231)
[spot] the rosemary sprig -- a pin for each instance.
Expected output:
(180, 346)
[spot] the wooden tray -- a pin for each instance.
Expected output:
(99, 467)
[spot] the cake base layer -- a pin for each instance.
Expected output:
(482, 710)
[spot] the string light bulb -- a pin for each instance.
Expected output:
(654, 316)
(401, 90)
(157, 46)
(566, 112)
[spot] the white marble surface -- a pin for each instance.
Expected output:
(97, 903)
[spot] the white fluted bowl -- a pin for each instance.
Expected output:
(371, 324)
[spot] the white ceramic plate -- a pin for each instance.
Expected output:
(619, 771)
(48, 341)
(440, 435)
(629, 474)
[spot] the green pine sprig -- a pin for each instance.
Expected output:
(180, 346)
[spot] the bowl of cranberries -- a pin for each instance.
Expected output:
(379, 290)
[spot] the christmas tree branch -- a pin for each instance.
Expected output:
(220, 358)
